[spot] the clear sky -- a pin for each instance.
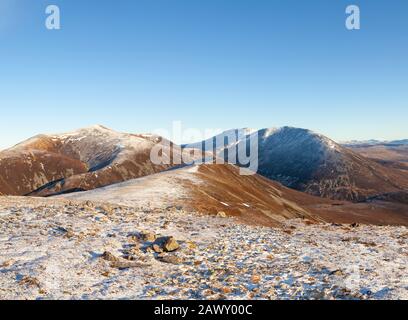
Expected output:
(138, 65)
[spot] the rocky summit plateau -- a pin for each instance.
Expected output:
(88, 215)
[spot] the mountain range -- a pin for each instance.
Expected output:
(310, 162)
(82, 160)
(301, 174)
(392, 154)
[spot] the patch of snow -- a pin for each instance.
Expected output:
(155, 191)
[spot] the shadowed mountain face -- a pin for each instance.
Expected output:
(86, 159)
(306, 161)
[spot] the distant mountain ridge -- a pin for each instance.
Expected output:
(81, 160)
(392, 154)
(373, 142)
(313, 163)
(95, 157)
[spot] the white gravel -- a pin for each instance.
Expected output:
(52, 248)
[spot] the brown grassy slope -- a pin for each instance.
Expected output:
(83, 160)
(388, 155)
(28, 167)
(254, 199)
(211, 189)
(259, 190)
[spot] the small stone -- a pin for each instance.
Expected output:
(271, 294)
(30, 281)
(165, 225)
(226, 290)
(230, 279)
(69, 234)
(221, 214)
(148, 236)
(284, 286)
(208, 292)
(109, 257)
(255, 278)
(89, 204)
(156, 248)
(191, 245)
(337, 273)
(171, 245)
(6, 263)
(171, 259)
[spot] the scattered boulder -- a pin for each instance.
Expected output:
(165, 225)
(123, 264)
(255, 278)
(191, 245)
(109, 257)
(221, 214)
(156, 248)
(120, 263)
(226, 290)
(336, 225)
(6, 263)
(148, 236)
(172, 259)
(30, 281)
(89, 204)
(337, 272)
(105, 274)
(68, 233)
(170, 244)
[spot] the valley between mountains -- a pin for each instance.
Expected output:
(88, 215)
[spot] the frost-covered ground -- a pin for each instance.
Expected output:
(54, 249)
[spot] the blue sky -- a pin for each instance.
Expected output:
(138, 65)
